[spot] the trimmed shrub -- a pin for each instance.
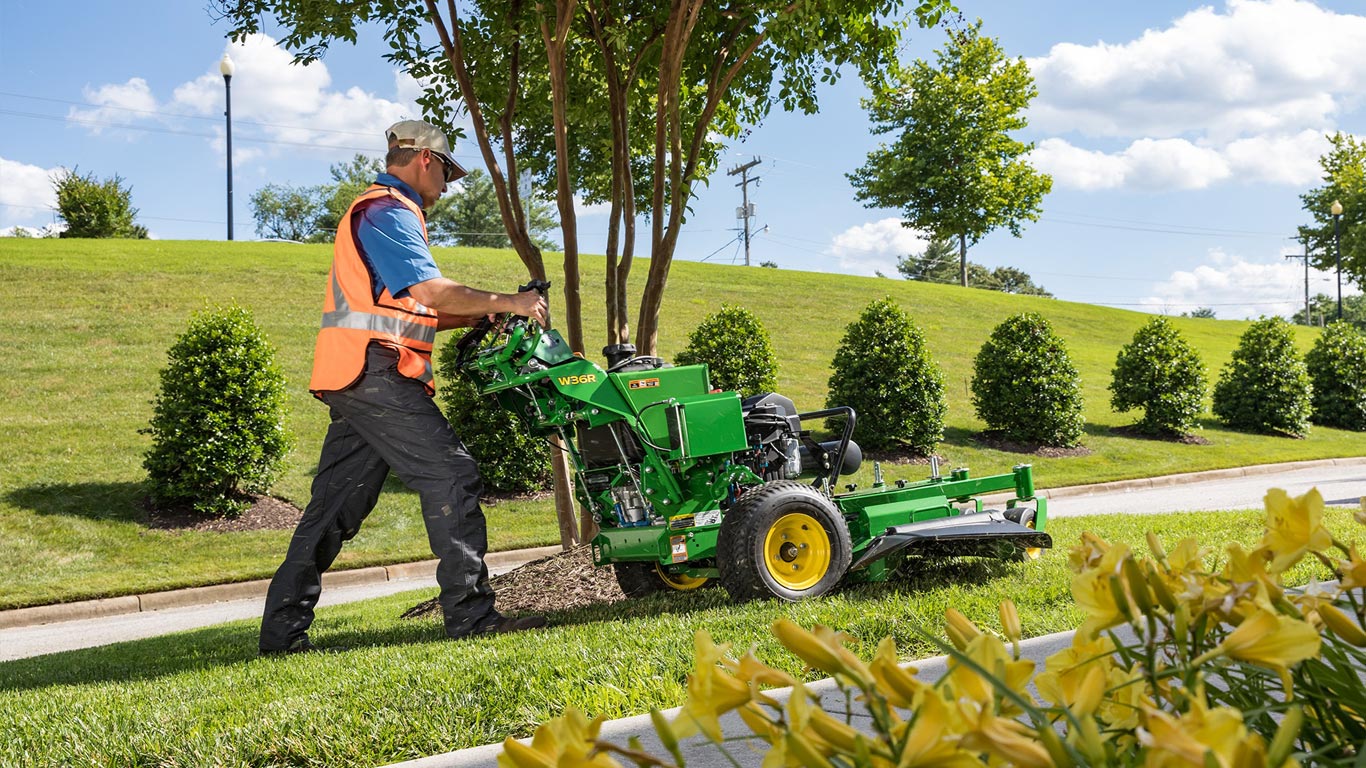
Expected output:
(510, 458)
(736, 349)
(1024, 384)
(883, 371)
(1160, 372)
(1265, 387)
(1337, 370)
(217, 428)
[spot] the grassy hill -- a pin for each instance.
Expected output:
(89, 322)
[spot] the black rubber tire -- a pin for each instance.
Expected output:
(1024, 516)
(642, 580)
(745, 570)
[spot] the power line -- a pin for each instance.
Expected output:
(181, 115)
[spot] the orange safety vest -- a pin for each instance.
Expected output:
(353, 317)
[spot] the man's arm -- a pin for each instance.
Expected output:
(460, 305)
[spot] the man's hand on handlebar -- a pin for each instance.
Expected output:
(529, 304)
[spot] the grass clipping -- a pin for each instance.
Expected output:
(560, 582)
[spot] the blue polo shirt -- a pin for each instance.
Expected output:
(391, 242)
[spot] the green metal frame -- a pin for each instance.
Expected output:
(688, 435)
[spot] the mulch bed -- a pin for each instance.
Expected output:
(266, 513)
(560, 582)
(994, 439)
(1132, 432)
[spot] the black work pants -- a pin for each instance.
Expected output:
(385, 421)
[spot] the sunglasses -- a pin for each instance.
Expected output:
(447, 168)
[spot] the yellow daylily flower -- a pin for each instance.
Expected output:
(1269, 640)
(1010, 621)
(989, 653)
(567, 741)
(1343, 626)
(1003, 738)
(823, 649)
(931, 739)
(897, 684)
(1353, 570)
(1192, 738)
(1294, 527)
(712, 690)
(960, 628)
(1094, 595)
(1087, 552)
(1066, 671)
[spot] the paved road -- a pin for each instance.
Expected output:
(1340, 485)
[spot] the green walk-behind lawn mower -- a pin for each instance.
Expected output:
(689, 484)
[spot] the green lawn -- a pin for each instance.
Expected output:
(82, 367)
(202, 698)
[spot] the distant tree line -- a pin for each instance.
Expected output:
(467, 215)
(940, 263)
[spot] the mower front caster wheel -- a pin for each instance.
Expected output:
(785, 540)
(642, 579)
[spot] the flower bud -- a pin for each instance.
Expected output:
(1010, 621)
(960, 629)
(1342, 625)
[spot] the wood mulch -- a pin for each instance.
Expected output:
(266, 513)
(1132, 431)
(560, 582)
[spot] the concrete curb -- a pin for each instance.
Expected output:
(113, 606)
(241, 590)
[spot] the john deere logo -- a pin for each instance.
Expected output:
(587, 378)
(644, 383)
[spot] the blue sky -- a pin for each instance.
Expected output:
(1179, 136)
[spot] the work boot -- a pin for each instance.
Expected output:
(498, 624)
(302, 645)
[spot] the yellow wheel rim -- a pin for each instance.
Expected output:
(797, 551)
(680, 582)
(1032, 553)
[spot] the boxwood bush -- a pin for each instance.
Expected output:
(1024, 385)
(736, 349)
(218, 431)
(1265, 387)
(1337, 370)
(510, 458)
(883, 370)
(1161, 373)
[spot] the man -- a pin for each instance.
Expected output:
(372, 366)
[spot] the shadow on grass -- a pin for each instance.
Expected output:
(115, 502)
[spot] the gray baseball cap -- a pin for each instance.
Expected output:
(419, 134)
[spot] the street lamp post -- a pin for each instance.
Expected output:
(225, 66)
(1337, 249)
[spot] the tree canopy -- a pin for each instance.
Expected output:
(93, 208)
(953, 169)
(637, 120)
(1344, 181)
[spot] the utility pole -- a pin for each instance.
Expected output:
(1308, 319)
(746, 209)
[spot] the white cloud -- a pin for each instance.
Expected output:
(291, 107)
(26, 196)
(1242, 94)
(1236, 288)
(1181, 164)
(875, 247)
(1256, 67)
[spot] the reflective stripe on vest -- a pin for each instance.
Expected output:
(350, 325)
